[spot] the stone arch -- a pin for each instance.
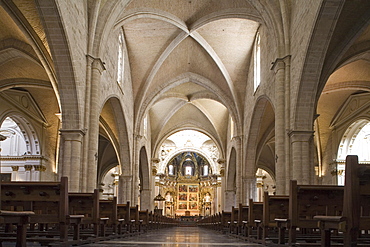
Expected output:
(119, 136)
(318, 64)
(177, 129)
(263, 108)
(187, 149)
(260, 130)
(62, 61)
(107, 157)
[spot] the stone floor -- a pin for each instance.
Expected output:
(178, 237)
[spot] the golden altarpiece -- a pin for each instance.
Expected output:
(189, 186)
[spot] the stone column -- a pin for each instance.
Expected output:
(249, 188)
(124, 189)
(302, 162)
(280, 124)
(146, 198)
(90, 169)
(70, 165)
(229, 200)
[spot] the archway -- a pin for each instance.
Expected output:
(355, 141)
(21, 159)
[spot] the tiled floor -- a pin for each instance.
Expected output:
(177, 237)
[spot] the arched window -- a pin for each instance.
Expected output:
(257, 61)
(170, 170)
(120, 58)
(205, 170)
(355, 141)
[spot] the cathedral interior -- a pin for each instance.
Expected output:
(186, 106)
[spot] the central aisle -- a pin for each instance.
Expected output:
(179, 237)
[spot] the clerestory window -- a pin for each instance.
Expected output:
(257, 61)
(120, 59)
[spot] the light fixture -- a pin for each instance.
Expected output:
(159, 197)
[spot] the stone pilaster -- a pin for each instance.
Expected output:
(15, 170)
(28, 169)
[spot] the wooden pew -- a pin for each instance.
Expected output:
(21, 219)
(225, 221)
(87, 204)
(48, 201)
(233, 226)
(356, 207)
(308, 201)
(108, 210)
(143, 220)
(123, 216)
(255, 215)
(134, 219)
(243, 213)
(274, 207)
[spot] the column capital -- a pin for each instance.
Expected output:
(280, 63)
(97, 63)
(72, 134)
(300, 135)
(40, 168)
(15, 168)
(28, 167)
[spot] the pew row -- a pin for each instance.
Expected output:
(45, 212)
(48, 201)
(354, 222)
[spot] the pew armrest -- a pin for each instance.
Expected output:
(75, 218)
(331, 222)
(282, 222)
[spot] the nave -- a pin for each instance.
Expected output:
(177, 236)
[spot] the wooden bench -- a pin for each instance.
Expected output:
(87, 204)
(48, 201)
(225, 221)
(356, 207)
(108, 210)
(243, 214)
(308, 201)
(274, 207)
(123, 217)
(21, 219)
(134, 219)
(143, 220)
(255, 215)
(233, 226)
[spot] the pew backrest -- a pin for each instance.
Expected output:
(307, 201)
(48, 200)
(86, 204)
